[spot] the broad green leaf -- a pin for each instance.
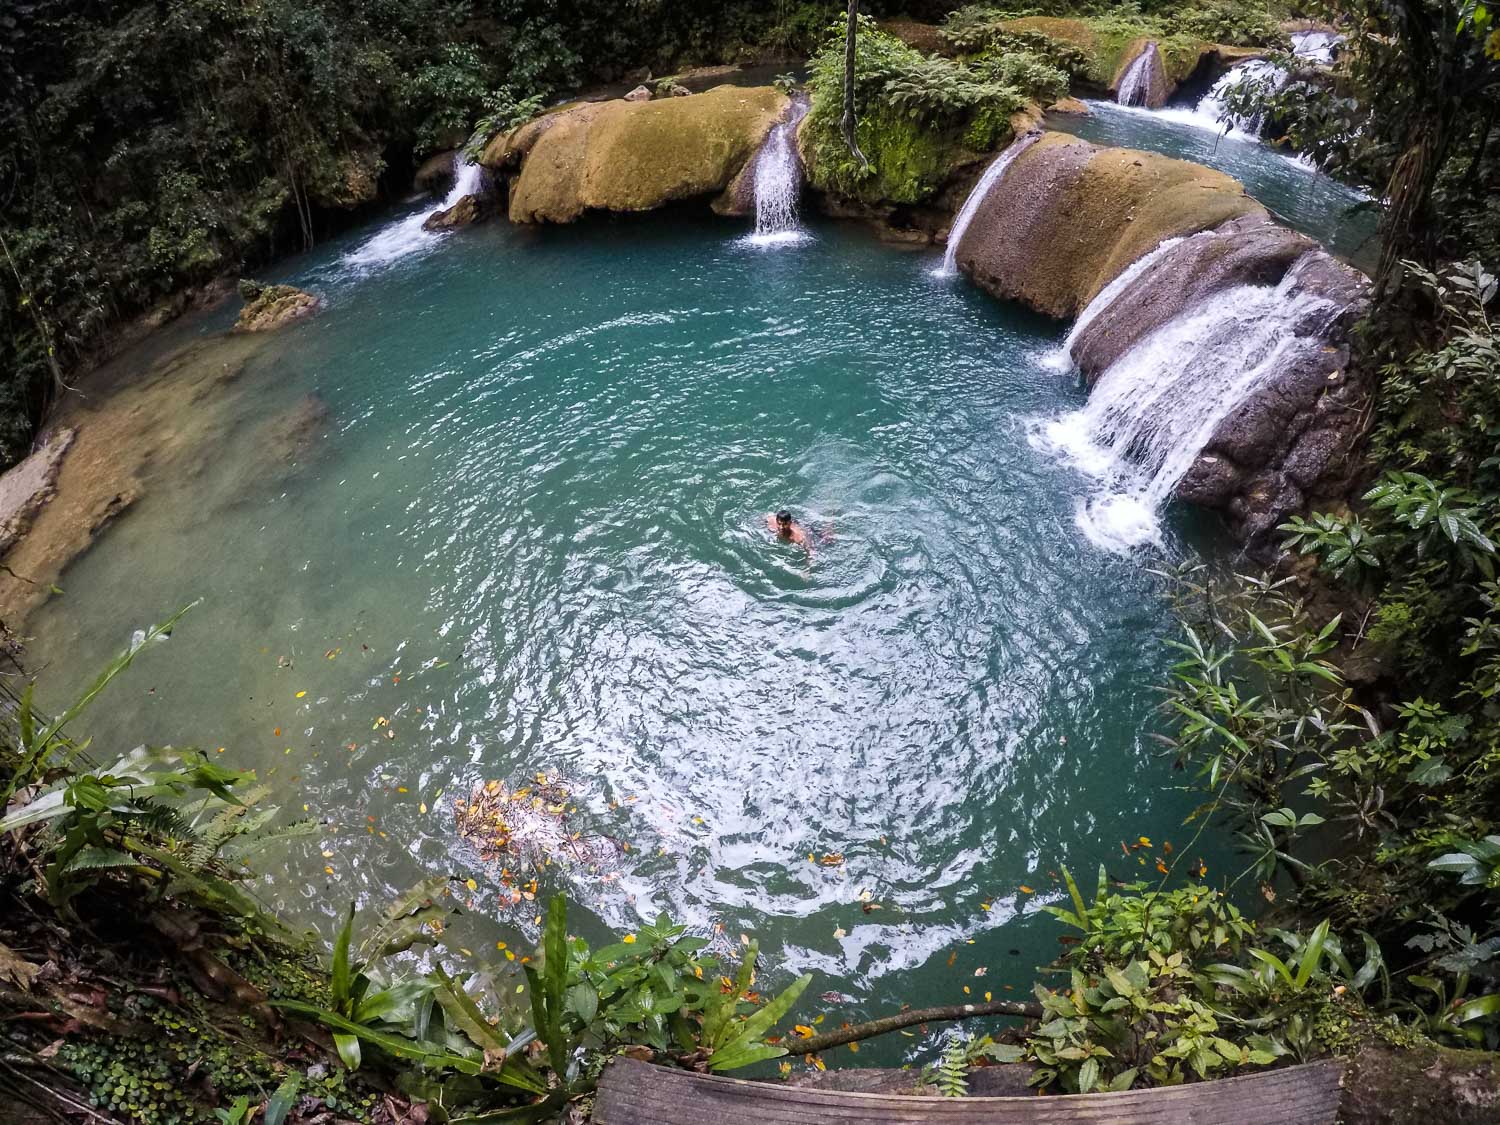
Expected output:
(340, 976)
(283, 1099)
(348, 1048)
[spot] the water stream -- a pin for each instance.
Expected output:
(1135, 83)
(986, 184)
(406, 237)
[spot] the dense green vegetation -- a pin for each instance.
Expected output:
(917, 113)
(149, 147)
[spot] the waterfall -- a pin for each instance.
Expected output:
(1316, 46)
(1061, 358)
(406, 235)
(1135, 84)
(1211, 110)
(778, 184)
(982, 189)
(1158, 405)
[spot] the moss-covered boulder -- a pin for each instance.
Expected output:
(269, 307)
(1108, 47)
(633, 156)
(1068, 216)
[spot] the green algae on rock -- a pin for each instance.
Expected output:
(268, 307)
(1069, 216)
(633, 156)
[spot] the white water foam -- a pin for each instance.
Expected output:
(1155, 408)
(406, 235)
(778, 185)
(982, 189)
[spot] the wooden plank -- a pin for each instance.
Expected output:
(637, 1093)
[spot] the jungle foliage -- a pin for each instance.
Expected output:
(147, 147)
(917, 114)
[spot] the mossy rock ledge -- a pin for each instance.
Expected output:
(632, 156)
(1068, 216)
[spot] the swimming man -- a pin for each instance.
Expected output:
(788, 529)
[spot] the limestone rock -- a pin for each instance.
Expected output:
(1070, 106)
(26, 487)
(633, 156)
(1068, 216)
(639, 94)
(436, 175)
(268, 307)
(467, 211)
(355, 182)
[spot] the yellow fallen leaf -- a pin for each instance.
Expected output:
(327, 855)
(473, 886)
(697, 820)
(966, 990)
(329, 870)
(984, 906)
(400, 789)
(840, 932)
(987, 997)
(854, 1047)
(803, 1030)
(1145, 841)
(628, 939)
(509, 956)
(499, 945)
(300, 694)
(1025, 890)
(422, 807)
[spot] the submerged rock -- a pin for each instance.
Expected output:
(1069, 216)
(268, 307)
(633, 156)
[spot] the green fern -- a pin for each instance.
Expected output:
(952, 1075)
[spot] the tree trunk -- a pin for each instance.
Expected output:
(1020, 1009)
(848, 122)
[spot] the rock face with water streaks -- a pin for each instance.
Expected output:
(1141, 78)
(633, 156)
(1288, 442)
(1068, 216)
(470, 209)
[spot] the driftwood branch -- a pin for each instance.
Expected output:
(945, 1013)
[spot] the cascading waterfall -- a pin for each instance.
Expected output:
(982, 189)
(1135, 85)
(778, 184)
(1316, 46)
(1061, 357)
(1211, 112)
(1158, 405)
(406, 235)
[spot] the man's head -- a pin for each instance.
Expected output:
(784, 520)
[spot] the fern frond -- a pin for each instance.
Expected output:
(952, 1078)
